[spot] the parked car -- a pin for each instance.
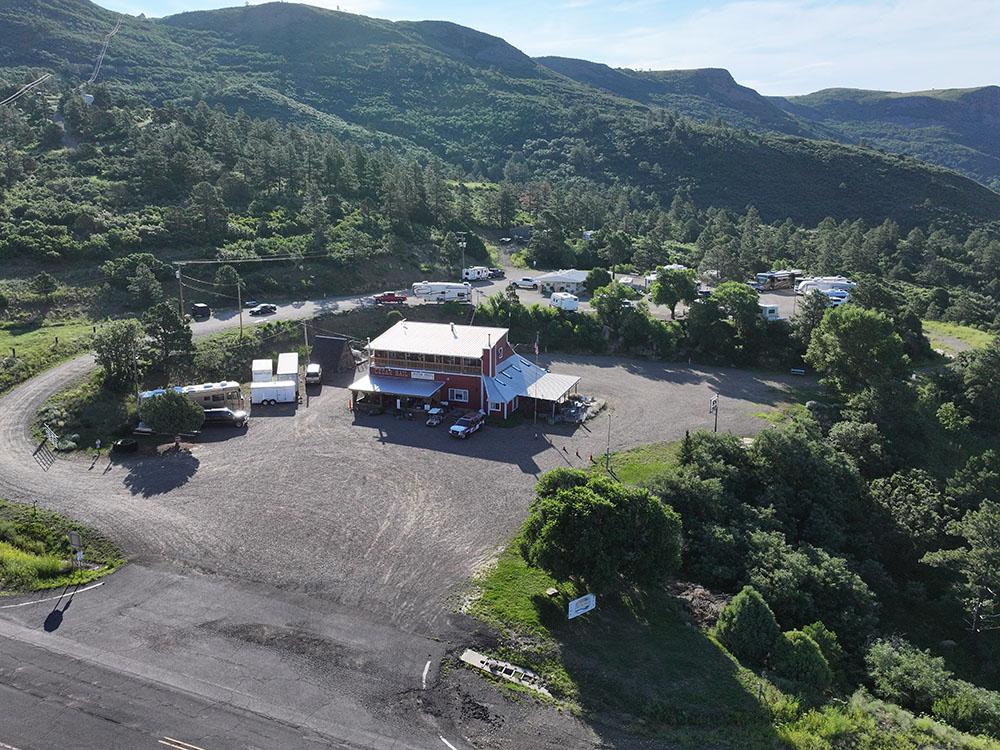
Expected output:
(435, 416)
(264, 309)
(200, 310)
(497, 273)
(525, 282)
(466, 425)
(314, 373)
(226, 417)
(250, 303)
(390, 298)
(704, 293)
(837, 297)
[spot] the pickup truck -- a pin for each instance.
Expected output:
(390, 298)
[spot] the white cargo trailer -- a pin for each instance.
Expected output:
(277, 392)
(288, 367)
(564, 301)
(262, 371)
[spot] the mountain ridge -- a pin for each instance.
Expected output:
(477, 102)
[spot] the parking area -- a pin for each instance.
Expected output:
(374, 511)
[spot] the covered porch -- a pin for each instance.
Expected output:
(521, 384)
(371, 392)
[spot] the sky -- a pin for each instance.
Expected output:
(779, 47)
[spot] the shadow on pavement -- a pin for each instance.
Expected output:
(54, 618)
(157, 475)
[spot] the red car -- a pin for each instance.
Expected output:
(390, 298)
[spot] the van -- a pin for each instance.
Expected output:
(200, 310)
(314, 373)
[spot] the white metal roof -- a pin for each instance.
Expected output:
(565, 275)
(437, 338)
(262, 364)
(521, 377)
(288, 362)
(396, 386)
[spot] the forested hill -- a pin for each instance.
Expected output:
(477, 103)
(954, 128)
(704, 94)
(958, 128)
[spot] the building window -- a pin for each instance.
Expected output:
(495, 406)
(460, 395)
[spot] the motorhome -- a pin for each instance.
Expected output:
(475, 273)
(443, 291)
(564, 301)
(206, 395)
(824, 284)
(777, 279)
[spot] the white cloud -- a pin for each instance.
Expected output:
(794, 46)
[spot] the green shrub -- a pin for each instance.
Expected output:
(902, 673)
(798, 657)
(747, 627)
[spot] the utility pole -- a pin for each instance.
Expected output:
(239, 301)
(607, 453)
(461, 245)
(180, 289)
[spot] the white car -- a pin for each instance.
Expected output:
(314, 373)
(525, 282)
(837, 297)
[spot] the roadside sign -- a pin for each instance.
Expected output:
(581, 606)
(713, 405)
(79, 555)
(74, 540)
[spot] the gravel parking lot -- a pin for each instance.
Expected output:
(385, 514)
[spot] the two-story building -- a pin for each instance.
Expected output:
(474, 367)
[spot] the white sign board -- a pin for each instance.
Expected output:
(582, 605)
(421, 375)
(713, 405)
(74, 540)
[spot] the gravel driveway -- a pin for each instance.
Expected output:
(385, 514)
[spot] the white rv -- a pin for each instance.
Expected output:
(288, 368)
(277, 392)
(442, 291)
(768, 312)
(824, 284)
(475, 273)
(564, 301)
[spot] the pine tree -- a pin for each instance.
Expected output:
(747, 627)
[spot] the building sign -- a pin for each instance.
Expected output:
(582, 605)
(421, 375)
(389, 372)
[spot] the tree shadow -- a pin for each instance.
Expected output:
(160, 474)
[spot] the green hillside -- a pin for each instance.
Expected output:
(476, 102)
(957, 128)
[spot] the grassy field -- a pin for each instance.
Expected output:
(27, 349)
(35, 552)
(954, 338)
(635, 465)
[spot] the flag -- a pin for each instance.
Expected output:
(536, 344)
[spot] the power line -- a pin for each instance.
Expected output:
(270, 259)
(25, 89)
(104, 51)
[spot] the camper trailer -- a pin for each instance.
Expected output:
(564, 301)
(443, 291)
(475, 273)
(768, 312)
(824, 284)
(288, 368)
(262, 371)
